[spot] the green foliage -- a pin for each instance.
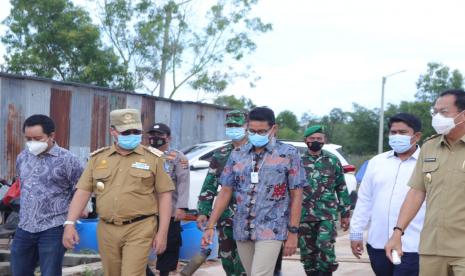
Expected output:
(55, 39)
(335, 125)
(308, 119)
(161, 40)
(231, 101)
(289, 134)
(288, 120)
(363, 125)
(437, 79)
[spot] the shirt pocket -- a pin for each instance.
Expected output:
(103, 176)
(430, 174)
(141, 180)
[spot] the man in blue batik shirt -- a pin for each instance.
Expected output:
(266, 178)
(48, 175)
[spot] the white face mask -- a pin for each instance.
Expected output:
(36, 147)
(400, 143)
(443, 125)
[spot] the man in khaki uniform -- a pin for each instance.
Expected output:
(131, 188)
(439, 176)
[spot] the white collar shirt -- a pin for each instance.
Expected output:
(380, 197)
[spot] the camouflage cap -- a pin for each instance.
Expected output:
(314, 129)
(124, 119)
(236, 117)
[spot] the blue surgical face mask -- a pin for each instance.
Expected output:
(259, 140)
(400, 143)
(235, 133)
(129, 142)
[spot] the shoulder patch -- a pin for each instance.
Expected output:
(99, 151)
(154, 151)
(431, 137)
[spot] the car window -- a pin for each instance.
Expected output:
(192, 151)
(208, 156)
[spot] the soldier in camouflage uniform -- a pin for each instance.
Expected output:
(235, 130)
(317, 233)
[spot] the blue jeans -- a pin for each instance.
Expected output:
(44, 247)
(383, 267)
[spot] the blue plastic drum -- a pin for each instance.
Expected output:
(87, 231)
(191, 237)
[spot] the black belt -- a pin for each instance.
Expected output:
(129, 221)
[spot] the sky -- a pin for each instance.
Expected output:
(330, 54)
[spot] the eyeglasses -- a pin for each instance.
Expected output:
(131, 131)
(261, 132)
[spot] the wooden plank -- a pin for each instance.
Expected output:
(99, 122)
(60, 108)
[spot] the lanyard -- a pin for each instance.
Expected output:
(261, 165)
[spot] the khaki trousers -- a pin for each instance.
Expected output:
(259, 257)
(431, 265)
(125, 249)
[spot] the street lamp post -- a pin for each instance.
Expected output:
(381, 112)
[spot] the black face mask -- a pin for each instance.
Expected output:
(157, 142)
(315, 146)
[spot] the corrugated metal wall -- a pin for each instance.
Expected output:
(81, 114)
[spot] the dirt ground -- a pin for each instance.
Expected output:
(348, 264)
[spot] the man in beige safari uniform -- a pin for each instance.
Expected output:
(439, 176)
(131, 188)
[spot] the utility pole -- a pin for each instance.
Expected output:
(381, 112)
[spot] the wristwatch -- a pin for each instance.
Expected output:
(69, 222)
(293, 229)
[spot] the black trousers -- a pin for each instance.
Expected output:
(168, 261)
(383, 267)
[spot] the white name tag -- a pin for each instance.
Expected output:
(139, 165)
(254, 177)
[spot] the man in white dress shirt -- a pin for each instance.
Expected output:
(381, 194)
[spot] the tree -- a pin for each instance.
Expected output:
(231, 101)
(363, 128)
(161, 40)
(289, 127)
(287, 119)
(289, 134)
(55, 39)
(437, 78)
(307, 119)
(334, 125)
